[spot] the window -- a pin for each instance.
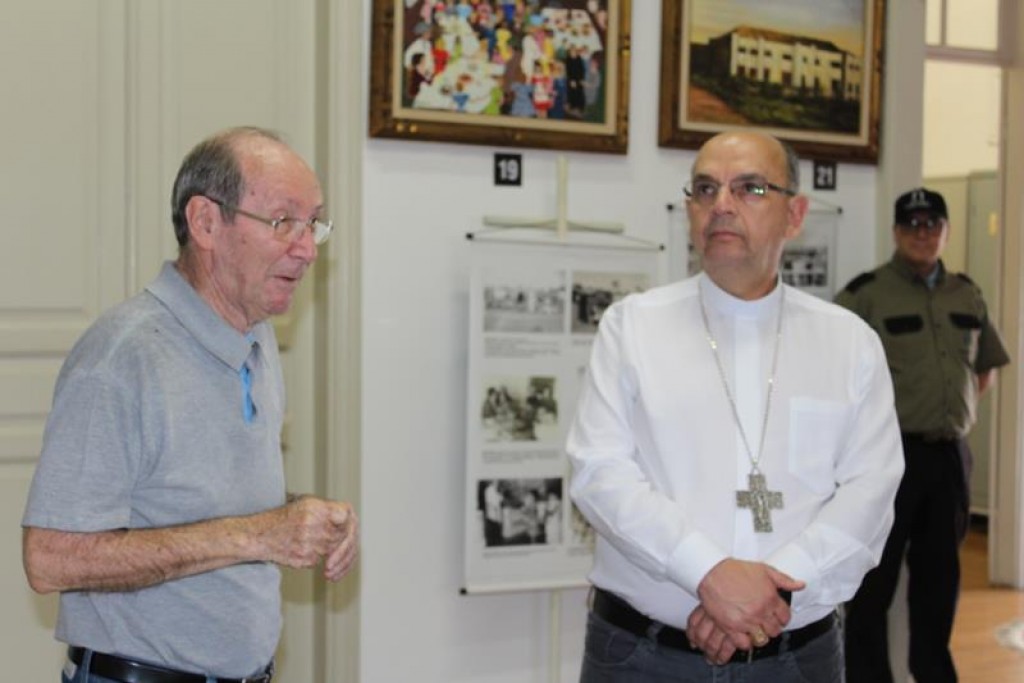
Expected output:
(961, 118)
(962, 91)
(963, 25)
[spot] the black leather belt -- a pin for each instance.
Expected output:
(619, 613)
(130, 671)
(931, 437)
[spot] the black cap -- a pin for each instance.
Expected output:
(920, 199)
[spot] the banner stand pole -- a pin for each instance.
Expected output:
(555, 650)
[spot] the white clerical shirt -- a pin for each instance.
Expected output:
(657, 456)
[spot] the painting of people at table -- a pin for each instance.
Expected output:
(527, 58)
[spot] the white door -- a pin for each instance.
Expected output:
(62, 259)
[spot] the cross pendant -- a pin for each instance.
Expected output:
(760, 501)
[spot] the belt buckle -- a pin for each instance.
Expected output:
(266, 677)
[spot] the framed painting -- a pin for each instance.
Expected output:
(539, 73)
(806, 71)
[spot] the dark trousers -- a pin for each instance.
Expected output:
(614, 655)
(932, 512)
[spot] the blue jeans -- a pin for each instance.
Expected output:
(613, 655)
(81, 675)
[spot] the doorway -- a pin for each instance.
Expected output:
(963, 98)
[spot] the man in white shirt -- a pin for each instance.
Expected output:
(736, 448)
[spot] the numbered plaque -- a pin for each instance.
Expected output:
(824, 175)
(508, 169)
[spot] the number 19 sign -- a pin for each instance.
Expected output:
(508, 169)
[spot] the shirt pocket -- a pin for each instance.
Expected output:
(965, 331)
(903, 324)
(817, 430)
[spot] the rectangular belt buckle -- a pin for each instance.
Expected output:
(266, 677)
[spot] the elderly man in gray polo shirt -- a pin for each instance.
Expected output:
(158, 508)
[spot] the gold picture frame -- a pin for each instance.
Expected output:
(440, 71)
(789, 68)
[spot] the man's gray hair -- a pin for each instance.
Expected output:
(212, 169)
(792, 166)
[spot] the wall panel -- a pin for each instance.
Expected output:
(62, 189)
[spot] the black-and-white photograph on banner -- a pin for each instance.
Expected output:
(536, 306)
(808, 261)
(534, 310)
(521, 511)
(519, 409)
(593, 292)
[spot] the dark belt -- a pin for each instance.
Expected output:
(130, 671)
(619, 613)
(931, 437)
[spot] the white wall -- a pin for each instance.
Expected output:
(420, 199)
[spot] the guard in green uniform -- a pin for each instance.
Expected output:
(942, 351)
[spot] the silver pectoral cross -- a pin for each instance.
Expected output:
(760, 500)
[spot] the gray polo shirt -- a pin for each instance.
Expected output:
(147, 430)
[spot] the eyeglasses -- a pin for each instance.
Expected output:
(286, 228)
(747, 190)
(931, 225)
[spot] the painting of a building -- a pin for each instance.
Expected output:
(799, 64)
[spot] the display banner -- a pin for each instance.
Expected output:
(534, 310)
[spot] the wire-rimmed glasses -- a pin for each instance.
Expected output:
(747, 189)
(286, 228)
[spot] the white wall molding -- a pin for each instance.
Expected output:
(340, 310)
(1006, 551)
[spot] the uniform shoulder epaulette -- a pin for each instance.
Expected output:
(859, 281)
(963, 276)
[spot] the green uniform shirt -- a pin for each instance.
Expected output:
(937, 340)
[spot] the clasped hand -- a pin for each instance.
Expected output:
(740, 608)
(308, 530)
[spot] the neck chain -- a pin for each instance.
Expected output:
(758, 498)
